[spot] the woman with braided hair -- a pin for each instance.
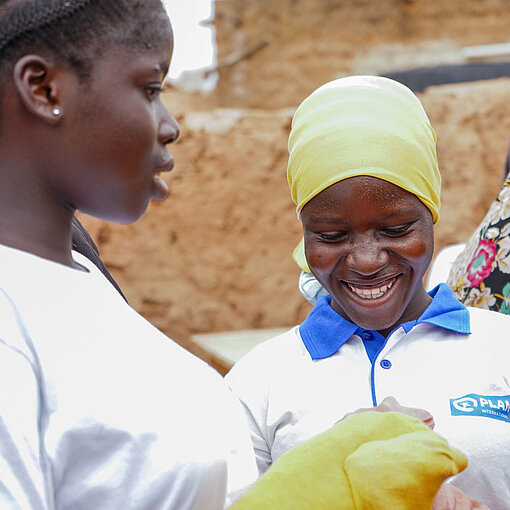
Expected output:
(98, 409)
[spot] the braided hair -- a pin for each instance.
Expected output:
(75, 31)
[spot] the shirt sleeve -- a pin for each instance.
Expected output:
(23, 477)
(252, 395)
(242, 471)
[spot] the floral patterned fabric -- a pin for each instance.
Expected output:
(480, 275)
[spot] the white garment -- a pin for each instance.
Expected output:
(442, 263)
(310, 287)
(99, 409)
(289, 398)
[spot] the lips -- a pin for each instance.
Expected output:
(166, 166)
(160, 186)
(370, 292)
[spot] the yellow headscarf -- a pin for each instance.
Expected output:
(362, 125)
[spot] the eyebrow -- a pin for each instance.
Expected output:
(163, 67)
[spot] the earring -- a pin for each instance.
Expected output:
(56, 111)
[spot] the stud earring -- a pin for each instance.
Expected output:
(56, 111)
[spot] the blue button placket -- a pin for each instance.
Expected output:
(373, 343)
(372, 381)
(386, 364)
(380, 359)
(324, 331)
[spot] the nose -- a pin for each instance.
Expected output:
(367, 257)
(169, 129)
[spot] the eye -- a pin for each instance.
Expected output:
(397, 231)
(332, 236)
(154, 91)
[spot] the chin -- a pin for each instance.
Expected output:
(374, 319)
(376, 326)
(122, 217)
(127, 219)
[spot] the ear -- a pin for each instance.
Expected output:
(36, 81)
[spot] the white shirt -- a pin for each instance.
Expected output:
(99, 409)
(289, 398)
(442, 263)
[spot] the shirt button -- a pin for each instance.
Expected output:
(366, 335)
(386, 364)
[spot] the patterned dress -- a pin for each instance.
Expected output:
(480, 275)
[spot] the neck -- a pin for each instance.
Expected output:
(32, 220)
(46, 239)
(414, 310)
(34, 214)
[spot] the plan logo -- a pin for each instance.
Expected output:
(488, 406)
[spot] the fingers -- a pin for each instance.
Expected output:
(452, 498)
(390, 404)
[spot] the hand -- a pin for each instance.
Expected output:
(451, 498)
(391, 404)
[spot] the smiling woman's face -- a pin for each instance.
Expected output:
(369, 243)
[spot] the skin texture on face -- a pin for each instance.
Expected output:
(115, 134)
(369, 243)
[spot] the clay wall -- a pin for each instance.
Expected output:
(310, 42)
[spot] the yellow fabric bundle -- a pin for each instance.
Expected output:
(362, 125)
(369, 461)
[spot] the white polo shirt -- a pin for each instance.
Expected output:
(453, 361)
(99, 409)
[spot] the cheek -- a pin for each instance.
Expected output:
(320, 258)
(139, 132)
(419, 249)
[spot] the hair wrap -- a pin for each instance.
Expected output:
(362, 125)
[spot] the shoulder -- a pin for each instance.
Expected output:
(488, 320)
(270, 357)
(269, 352)
(492, 329)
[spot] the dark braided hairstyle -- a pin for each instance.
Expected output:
(75, 31)
(20, 21)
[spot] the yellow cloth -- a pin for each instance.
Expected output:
(369, 461)
(362, 125)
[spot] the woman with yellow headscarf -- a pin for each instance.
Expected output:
(364, 176)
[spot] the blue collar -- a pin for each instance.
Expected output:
(324, 331)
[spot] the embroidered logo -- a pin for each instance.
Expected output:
(489, 406)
